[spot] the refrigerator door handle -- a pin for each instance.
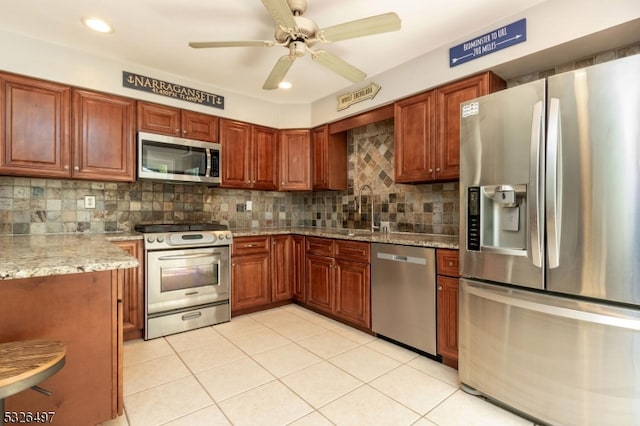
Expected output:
(554, 183)
(537, 133)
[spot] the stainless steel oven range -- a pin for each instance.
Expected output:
(187, 277)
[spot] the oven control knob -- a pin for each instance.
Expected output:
(228, 236)
(150, 239)
(160, 239)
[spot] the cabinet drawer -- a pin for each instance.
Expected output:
(320, 246)
(447, 262)
(249, 245)
(353, 250)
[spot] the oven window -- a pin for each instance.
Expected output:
(173, 279)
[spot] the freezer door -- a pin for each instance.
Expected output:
(563, 361)
(593, 183)
(501, 170)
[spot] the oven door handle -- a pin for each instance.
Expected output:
(188, 256)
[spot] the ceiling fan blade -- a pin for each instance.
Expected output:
(338, 66)
(279, 10)
(207, 44)
(278, 72)
(362, 27)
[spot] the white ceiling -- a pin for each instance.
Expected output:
(155, 33)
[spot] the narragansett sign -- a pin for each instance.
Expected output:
(171, 90)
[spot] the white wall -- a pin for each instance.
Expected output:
(549, 24)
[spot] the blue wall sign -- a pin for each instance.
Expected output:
(488, 43)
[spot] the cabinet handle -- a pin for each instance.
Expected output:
(76, 168)
(439, 288)
(184, 132)
(430, 170)
(450, 263)
(66, 167)
(177, 131)
(437, 169)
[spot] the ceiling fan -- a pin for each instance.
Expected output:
(298, 34)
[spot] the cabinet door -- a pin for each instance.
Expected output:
(133, 291)
(298, 268)
(329, 159)
(264, 158)
(448, 100)
(295, 160)
(320, 271)
(103, 136)
(250, 281)
(281, 267)
(448, 320)
(34, 127)
(353, 292)
(202, 127)
(160, 119)
(235, 140)
(414, 135)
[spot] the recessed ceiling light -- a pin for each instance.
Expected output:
(98, 25)
(285, 85)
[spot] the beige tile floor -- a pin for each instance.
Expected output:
(291, 366)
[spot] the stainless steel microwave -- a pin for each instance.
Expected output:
(172, 159)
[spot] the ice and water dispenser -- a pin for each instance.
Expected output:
(496, 218)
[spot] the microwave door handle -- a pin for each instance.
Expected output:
(208, 171)
(188, 256)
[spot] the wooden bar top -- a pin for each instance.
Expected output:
(23, 360)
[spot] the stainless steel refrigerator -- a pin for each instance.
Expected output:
(550, 246)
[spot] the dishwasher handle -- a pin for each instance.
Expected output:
(402, 259)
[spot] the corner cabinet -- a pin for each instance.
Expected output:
(34, 127)
(329, 159)
(294, 154)
(339, 279)
(250, 156)
(427, 129)
(166, 120)
(103, 136)
(447, 284)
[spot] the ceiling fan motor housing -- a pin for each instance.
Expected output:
(305, 30)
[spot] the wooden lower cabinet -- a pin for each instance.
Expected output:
(447, 300)
(281, 270)
(338, 279)
(250, 281)
(83, 311)
(298, 268)
(133, 291)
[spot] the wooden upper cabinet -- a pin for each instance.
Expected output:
(427, 129)
(294, 149)
(166, 120)
(448, 100)
(34, 127)
(264, 158)
(414, 138)
(329, 159)
(249, 155)
(103, 136)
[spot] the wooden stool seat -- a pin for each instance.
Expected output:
(24, 364)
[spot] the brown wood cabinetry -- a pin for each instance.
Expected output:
(281, 267)
(298, 259)
(338, 279)
(250, 281)
(294, 156)
(329, 160)
(133, 292)
(250, 158)
(427, 129)
(166, 120)
(34, 127)
(447, 284)
(103, 137)
(83, 311)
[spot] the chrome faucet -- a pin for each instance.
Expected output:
(363, 187)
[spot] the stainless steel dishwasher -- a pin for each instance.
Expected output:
(403, 295)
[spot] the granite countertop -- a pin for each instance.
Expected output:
(402, 238)
(24, 256)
